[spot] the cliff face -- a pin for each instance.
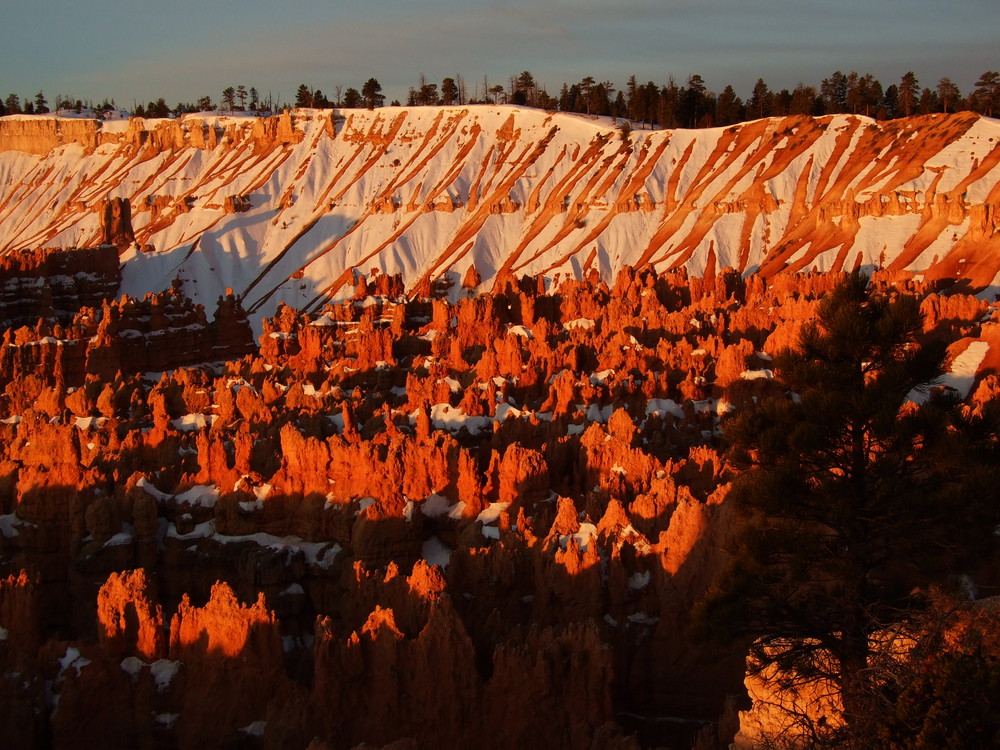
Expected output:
(444, 519)
(480, 523)
(291, 208)
(40, 135)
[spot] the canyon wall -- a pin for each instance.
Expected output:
(443, 503)
(291, 208)
(400, 520)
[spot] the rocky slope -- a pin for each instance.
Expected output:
(442, 504)
(290, 209)
(402, 520)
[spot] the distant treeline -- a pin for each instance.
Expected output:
(670, 105)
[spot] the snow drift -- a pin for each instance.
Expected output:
(291, 208)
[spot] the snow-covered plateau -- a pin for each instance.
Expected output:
(293, 207)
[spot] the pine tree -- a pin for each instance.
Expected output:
(851, 496)
(863, 93)
(890, 102)
(693, 101)
(427, 94)
(303, 96)
(372, 93)
(804, 100)
(727, 107)
(948, 94)
(759, 104)
(909, 93)
(352, 98)
(229, 98)
(928, 102)
(449, 92)
(40, 104)
(666, 104)
(833, 90)
(13, 104)
(987, 94)
(586, 87)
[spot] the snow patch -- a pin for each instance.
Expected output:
(202, 495)
(436, 553)
(164, 671)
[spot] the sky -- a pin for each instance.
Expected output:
(182, 50)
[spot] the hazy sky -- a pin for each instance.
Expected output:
(183, 49)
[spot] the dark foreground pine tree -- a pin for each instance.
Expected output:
(853, 500)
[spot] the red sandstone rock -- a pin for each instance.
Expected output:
(232, 665)
(392, 629)
(130, 624)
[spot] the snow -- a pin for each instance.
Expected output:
(132, 665)
(435, 506)
(448, 417)
(200, 531)
(962, 373)
(320, 554)
(601, 414)
(8, 525)
(757, 375)
(490, 532)
(519, 330)
(190, 422)
(89, 423)
(72, 660)
(600, 378)
(643, 618)
(435, 552)
(638, 581)
(662, 406)
(941, 246)
(149, 489)
(585, 534)
(255, 729)
(202, 495)
(491, 514)
(333, 180)
(125, 536)
(878, 238)
(507, 410)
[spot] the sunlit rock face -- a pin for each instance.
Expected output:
(430, 502)
(291, 207)
(504, 508)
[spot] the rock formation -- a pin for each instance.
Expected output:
(402, 519)
(452, 507)
(321, 196)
